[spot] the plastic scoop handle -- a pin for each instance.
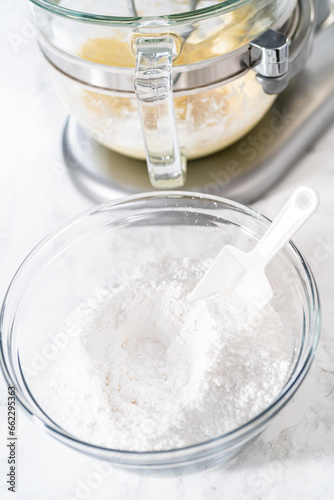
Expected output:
(298, 209)
(244, 272)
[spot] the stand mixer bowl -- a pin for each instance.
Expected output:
(173, 84)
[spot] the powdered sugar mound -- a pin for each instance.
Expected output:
(144, 369)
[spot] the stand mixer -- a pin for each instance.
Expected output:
(289, 56)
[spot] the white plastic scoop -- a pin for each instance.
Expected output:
(244, 272)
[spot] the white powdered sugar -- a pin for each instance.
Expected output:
(146, 370)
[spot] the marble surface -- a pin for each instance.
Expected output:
(294, 458)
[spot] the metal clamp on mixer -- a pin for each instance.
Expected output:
(276, 59)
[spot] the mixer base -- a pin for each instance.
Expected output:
(242, 172)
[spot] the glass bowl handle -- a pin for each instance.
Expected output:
(154, 92)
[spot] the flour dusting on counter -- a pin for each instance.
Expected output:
(146, 370)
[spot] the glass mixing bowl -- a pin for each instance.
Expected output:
(169, 85)
(61, 271)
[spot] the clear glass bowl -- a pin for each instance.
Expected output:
(208, 117)
(207, 121)
(59, 274)
(217, 27)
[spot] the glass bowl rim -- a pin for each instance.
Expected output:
(144, 21)
(258, 421)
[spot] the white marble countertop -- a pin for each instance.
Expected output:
(294, 458)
